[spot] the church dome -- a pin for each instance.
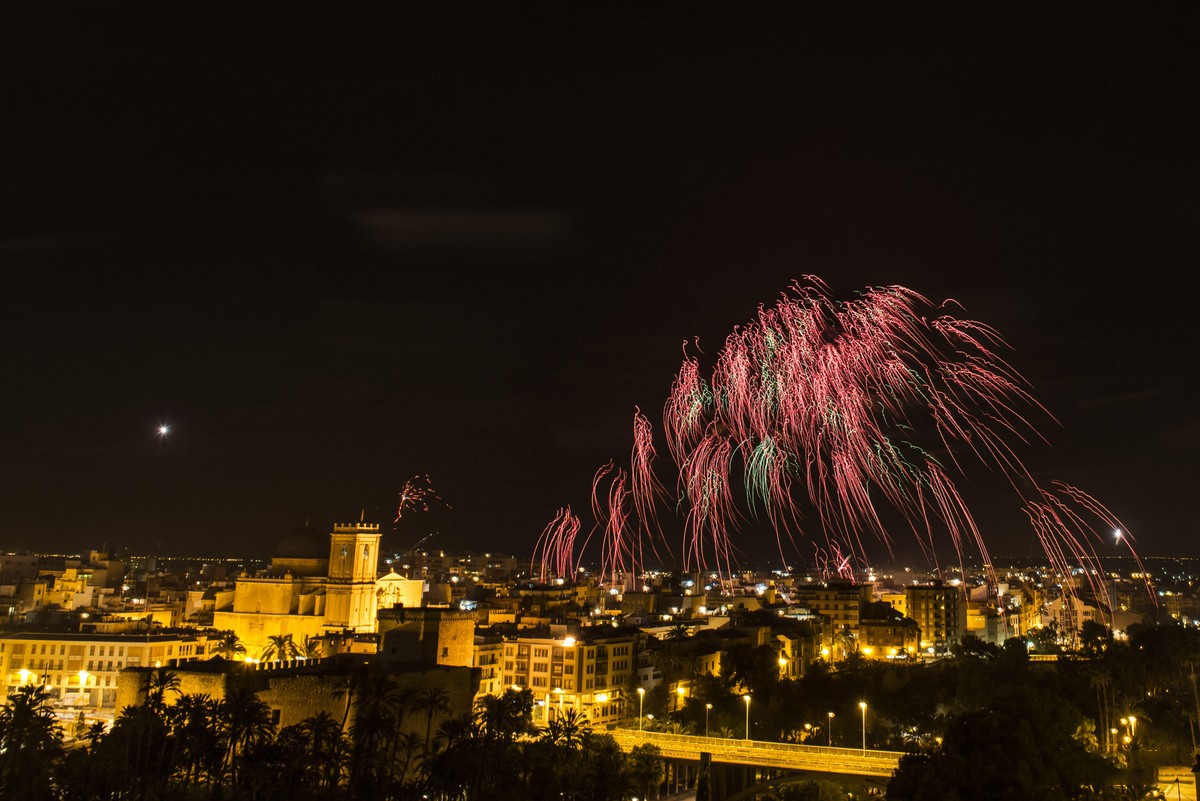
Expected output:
(303, 543)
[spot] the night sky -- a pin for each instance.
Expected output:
(332, 250)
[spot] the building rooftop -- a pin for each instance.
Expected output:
(305, 542)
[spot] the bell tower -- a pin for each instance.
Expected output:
(350, 590)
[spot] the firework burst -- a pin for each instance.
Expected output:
(416, 496)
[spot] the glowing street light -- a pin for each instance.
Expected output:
(707, 709)
(829, 729)
(641, 701)
(24, 674)
(746, 698)
(863, 706)
(681, 692)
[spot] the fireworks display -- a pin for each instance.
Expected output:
(416, 495)
(825, 419)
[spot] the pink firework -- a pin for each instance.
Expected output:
(620, 547)
(646, 491)
(820, 405)
(555, 549)
(416, 495)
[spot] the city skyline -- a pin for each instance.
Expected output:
(328, 275)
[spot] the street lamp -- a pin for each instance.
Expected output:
(830, 729)
(863, 706)
(83, 677)
(680, 691)
(24, 674)
(707, 709)
(641, 700)
(746, 698)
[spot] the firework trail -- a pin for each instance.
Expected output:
(416, 495)
(831, 563)
(646, 491)
(555, 548)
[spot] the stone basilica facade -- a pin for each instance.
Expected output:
(316, 584)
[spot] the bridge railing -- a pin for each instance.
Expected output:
(788, 756)
(711, 743)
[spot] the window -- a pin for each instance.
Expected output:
(539, 681)
(540, 667)
(541, 653)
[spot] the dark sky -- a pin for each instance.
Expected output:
(336, 249)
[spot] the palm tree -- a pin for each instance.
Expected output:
(348, 687)
(568, 729)
(247, 722)
(645, 768)
(378, 711)
(409, 741)
(431, 701)
(325, 746)
(94, 733)
(455, 730)
(30, 740)
(310, 649)
(280, 647)
(1100, 680)
(197, 730)
(159, 682)
(230, 645)
(506, 716)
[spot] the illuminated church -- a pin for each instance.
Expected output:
(316, 584)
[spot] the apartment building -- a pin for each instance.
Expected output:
(941, 613)
(588, 672)
(841, 602)
(80, 670)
